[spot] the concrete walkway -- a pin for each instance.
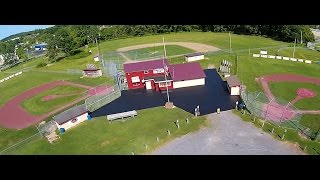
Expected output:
(227, 134)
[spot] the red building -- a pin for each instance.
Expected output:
(148, 75)
(151, 75)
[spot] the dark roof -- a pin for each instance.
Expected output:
(233, 81)
(186, 71)
(194, 54)
(144, 65)
(159, 78)
(70, 113)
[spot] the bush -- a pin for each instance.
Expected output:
(41, 64)
(77, 54)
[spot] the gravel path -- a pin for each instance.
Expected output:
(198, 47)
(227, 134)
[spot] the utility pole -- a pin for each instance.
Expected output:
(301, 38)
(230, 40)
(294, 47)
(98, 48)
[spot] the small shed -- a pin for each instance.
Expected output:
(194, 57)
(233, 85)
(71, 117)
(93, 73)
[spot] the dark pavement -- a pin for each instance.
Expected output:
(214, 94)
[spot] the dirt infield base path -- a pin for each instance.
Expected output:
(13, 116)
(198, 47)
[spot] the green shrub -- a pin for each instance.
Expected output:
(41, 64)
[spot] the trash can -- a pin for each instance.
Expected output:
(62, 130)
(89, 117)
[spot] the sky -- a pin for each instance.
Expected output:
(7, 30)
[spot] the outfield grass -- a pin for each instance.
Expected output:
(301, 53)
(25, 81)
(99, 137)
(35, 105)
(155, 51)
(287, 91)
(313, 147)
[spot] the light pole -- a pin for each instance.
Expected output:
(294, 47)
(230, 40)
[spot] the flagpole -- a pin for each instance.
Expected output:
(165, 74)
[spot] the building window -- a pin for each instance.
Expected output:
(135, 79)
(135, 84)
(163, 84)
(146, 72)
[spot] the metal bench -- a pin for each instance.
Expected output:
(122, 115)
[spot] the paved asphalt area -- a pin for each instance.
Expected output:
(227, 134)
(214, 94)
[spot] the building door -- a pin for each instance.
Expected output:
(148, 85)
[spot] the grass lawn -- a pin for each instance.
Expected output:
(99, 137)
(157, 51)
(25, 81)
(9, 137)
(313, 147)
(287, 91)
(35, 105)
(311, 121)
(25, 65)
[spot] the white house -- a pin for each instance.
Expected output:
(71, 117)
(194, 57)
(233, 85)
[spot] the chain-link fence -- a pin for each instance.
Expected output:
(277, 111)
(12, 149)
(97, 101)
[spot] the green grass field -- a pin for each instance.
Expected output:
(287, 91)
(156, 51)
(301, 53)
(37, 106)
(9, 137)
(311, 121)
(99, 137)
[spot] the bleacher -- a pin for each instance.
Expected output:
(122, 115)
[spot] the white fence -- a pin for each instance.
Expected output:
(283, 58)
(9, 77)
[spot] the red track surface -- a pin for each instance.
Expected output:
(277, 108)
(12, 115)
